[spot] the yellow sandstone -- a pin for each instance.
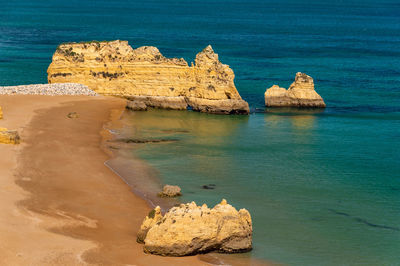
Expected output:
(115, 68)
(300, 94)
(190, 229)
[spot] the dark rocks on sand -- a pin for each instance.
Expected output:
(73, 115)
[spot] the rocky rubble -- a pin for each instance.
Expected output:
(48, 89)
(300, 94)
(190, 229)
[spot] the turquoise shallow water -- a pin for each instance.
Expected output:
(323, 188)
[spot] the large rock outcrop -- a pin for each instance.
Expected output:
(115, 68)
(190, 229)
(300, 94)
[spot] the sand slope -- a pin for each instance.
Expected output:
(59, 204)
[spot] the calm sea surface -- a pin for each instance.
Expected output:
(323, 187)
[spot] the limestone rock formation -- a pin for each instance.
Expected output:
(153, 218)
(190, 229)
(300, 94)
(9, 136)
(115, 68)
(170, 191)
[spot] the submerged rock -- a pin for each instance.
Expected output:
(9, 136)
(170, 191)
(301, 93)
(209, 186)
(115, 68)
(190, 229)
(142, 141)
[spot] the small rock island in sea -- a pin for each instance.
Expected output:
(300, 94)
(146, 77)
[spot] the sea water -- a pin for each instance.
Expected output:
(323, 187)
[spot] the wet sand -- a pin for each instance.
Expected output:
(59, 203)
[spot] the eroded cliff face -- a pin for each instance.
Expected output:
(115, 68)
(301, 93)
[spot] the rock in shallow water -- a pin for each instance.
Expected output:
(190, 229)
(300, 94)
(170, 191)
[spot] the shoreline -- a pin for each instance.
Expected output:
(65, 200)
(144, 183)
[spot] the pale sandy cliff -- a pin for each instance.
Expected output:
(145, 75)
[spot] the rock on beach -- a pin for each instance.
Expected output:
(9, 136)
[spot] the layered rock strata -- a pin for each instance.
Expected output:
(300, 94)
(9, 136)
(144, 74)
(190, 229)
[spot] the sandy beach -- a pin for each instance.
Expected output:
(59, 203)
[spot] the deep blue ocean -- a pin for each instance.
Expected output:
(323, 187)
